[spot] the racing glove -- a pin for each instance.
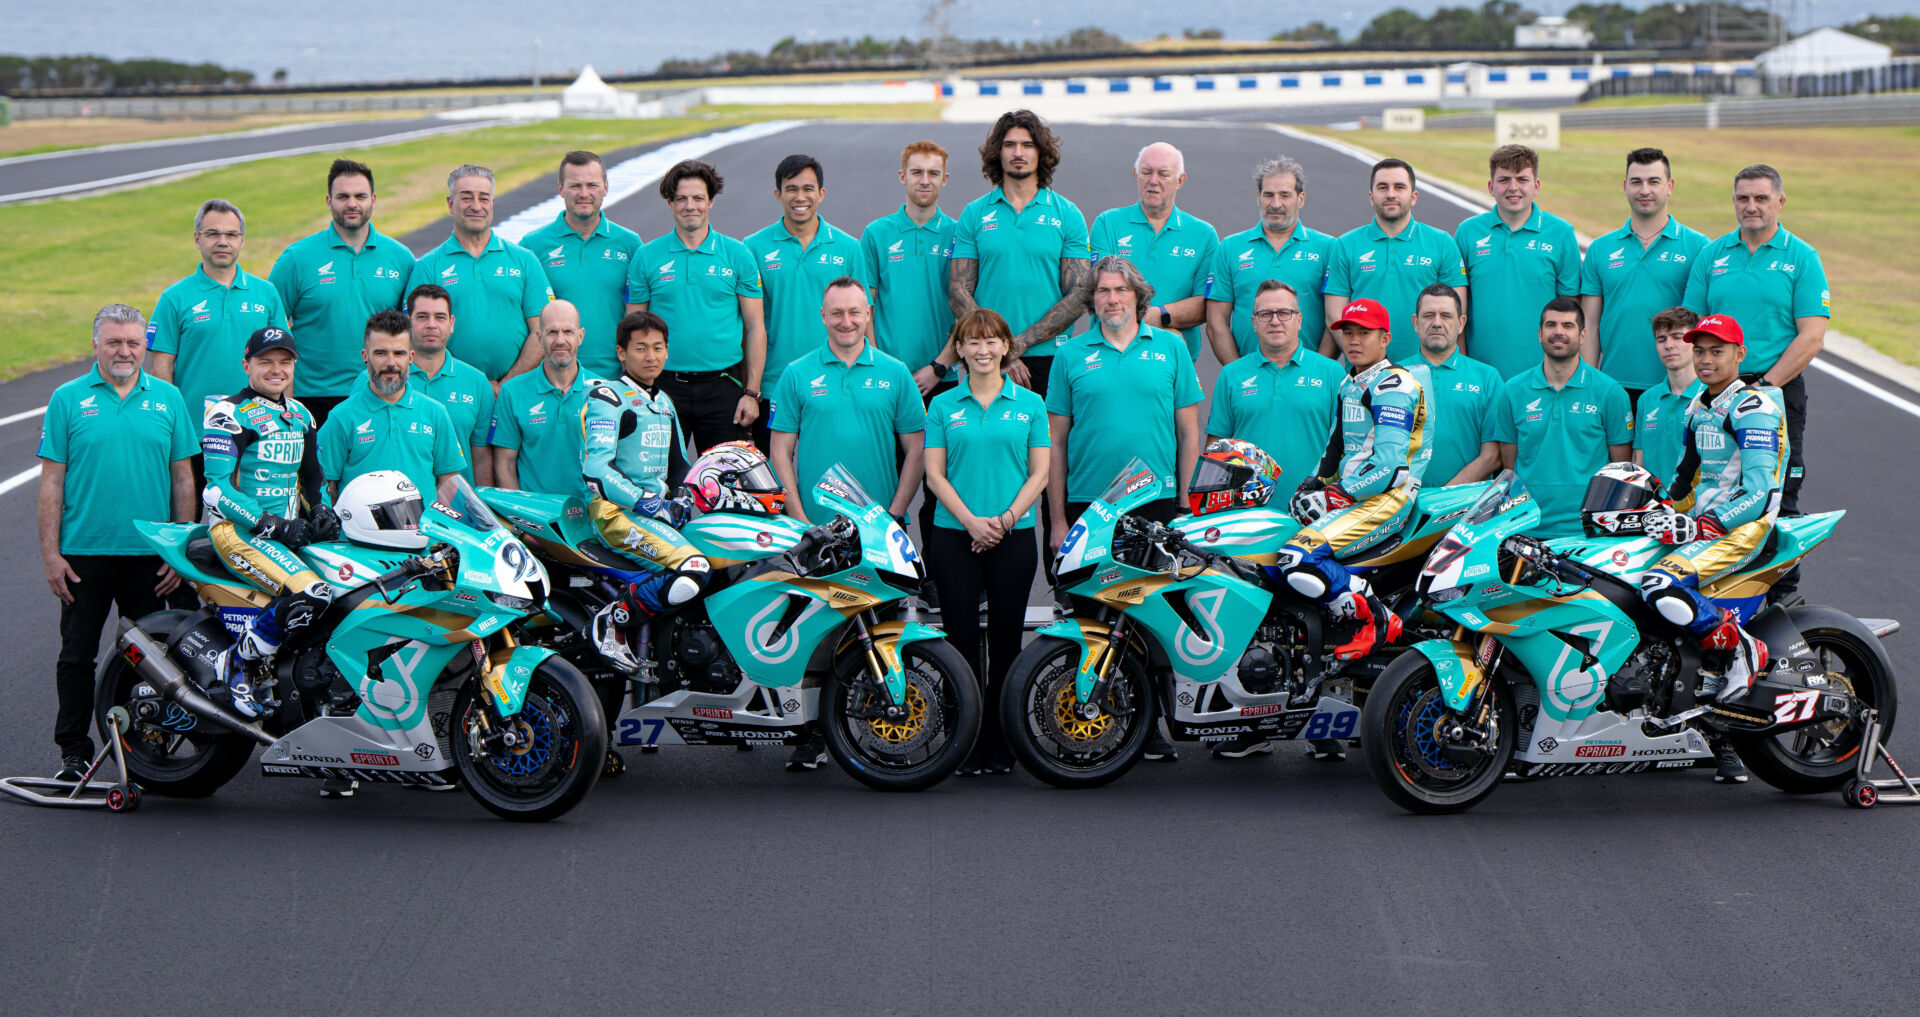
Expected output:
(1309, 500)
(323, 524)
(1670, 527)
(290, 532)
(1708, 527)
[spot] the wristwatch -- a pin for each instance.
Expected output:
(940, 370)
(1166, 318)
(751, 393)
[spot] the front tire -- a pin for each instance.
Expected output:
(1403, 752)
(160, 760)
(1821, 757)
(1048, 728)
(560, 745)
(915, 751)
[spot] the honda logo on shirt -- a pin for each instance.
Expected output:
(537, 413)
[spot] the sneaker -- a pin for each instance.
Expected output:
(439, 788)
(1158, 749)
(1243, 748)
(808, 755)
(72, 768)
(338, 787)
(1727, 766)
(1326, 750)
(1062, 605)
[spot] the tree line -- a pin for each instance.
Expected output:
(92, 73)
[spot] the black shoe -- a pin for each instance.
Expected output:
(72, 768)
(648, 750)
(1326, 750)
(338, 787)
(1727, 766)
(1159, 750)
(808, 755)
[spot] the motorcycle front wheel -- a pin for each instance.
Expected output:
(162, 758)
(1400, 741)
(925, 741)
(1062, 741)
(539, 763)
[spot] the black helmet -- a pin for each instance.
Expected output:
(1617, 501)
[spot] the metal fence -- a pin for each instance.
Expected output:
(1899, 76)
(1845, 111)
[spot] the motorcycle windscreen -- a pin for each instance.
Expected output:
(1135, 485)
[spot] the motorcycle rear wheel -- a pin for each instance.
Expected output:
(1398, 740)
(1820, 758)
(166, 762)
(1039, 719)
(902, 754)
(563, 750)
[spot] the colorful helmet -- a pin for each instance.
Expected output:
(1229, 474)
(381, 509)
(733, 476)
(1617, 501)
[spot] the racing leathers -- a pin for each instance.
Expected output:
(631, 449)
(1725, 499)
(259, 457)
(1361, 497)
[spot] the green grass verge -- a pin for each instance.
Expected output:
(1836, 199)
(64, 259)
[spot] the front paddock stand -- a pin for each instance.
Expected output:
(1864, 792)
(85, 793)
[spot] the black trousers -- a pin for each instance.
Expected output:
(1005, 571)
(106, 581)
(1795, 395)
(321, 407)
(705, 402)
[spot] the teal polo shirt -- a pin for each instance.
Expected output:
(1286, 409)
(1247, 259)
(1634, 283)
(1175, 261)
(795, 278)
(986, 448)
(466, 395)
(542, 421)
(493, 296)
(206, 325)
(1660, 428)
(1365, 262)
(591, 274)
(906, 264)
(697, 291)
(1462, 391)
(1765, 291)
(1560, 438)
(413, 434)
(119, 454)
(1511, 275)
(851, 415)
(330, 290)
(1020, 254)
(1122, 405)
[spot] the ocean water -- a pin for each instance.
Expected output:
(380, 40)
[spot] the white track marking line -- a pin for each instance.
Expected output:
(23, 477)
(18, 417)
(1868, 387)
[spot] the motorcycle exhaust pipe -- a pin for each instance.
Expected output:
(149, 660)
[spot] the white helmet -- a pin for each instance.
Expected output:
(381, 509)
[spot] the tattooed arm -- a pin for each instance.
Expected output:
(1076, 283)
(963, 274)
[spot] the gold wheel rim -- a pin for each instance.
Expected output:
(1066, 714)
(903, 729)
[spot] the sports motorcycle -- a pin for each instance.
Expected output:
(798, 625)
(1557, 667)
(408, 677)
(1179, 619)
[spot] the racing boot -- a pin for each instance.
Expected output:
(1376, 625)
(1749, 656)
(233, 673)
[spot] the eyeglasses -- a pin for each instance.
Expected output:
(222, 234)
(1284, 314)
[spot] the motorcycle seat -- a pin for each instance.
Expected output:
(205, 557)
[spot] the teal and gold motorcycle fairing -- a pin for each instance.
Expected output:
(1559, 667)
(371, 691)
(798, 613)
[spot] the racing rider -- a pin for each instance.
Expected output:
(1367, 480)
(259, 455)
(1725, 499)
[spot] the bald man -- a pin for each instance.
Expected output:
(1172, 248)
(539, 412)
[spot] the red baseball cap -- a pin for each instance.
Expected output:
(1720, 327)
(1364, 313)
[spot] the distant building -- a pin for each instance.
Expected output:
(1552, 32)
(1823, 51)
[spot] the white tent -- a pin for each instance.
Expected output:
(1823, 51)
(590, 95)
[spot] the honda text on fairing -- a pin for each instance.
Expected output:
(798, 625)
(1558, 667)
(408, 677)
(1182, 620)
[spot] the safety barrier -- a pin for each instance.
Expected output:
(1847, 111)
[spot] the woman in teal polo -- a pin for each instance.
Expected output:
(986, 458)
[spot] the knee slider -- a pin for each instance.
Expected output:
(1307, 582)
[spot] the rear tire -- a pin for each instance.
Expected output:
(166, 762)
(1820, 758)
(1397, 738)
(1060, 747)
(563, 753)
(896, 756)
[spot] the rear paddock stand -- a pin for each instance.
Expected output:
(86, 793)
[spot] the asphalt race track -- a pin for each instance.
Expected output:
(714, 882)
